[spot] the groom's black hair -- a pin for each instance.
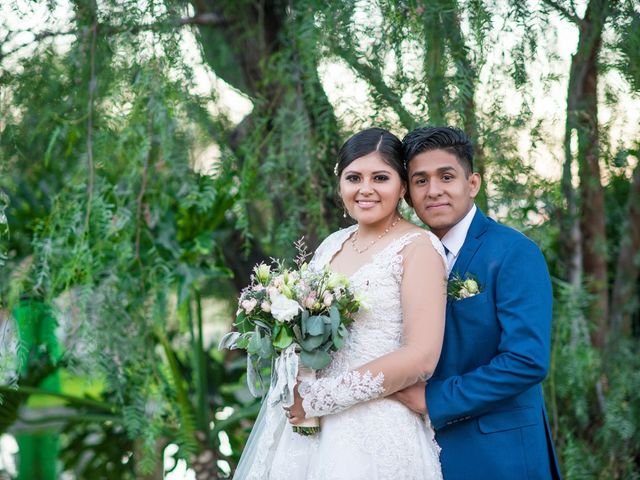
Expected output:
(372, 140)
(449, 139)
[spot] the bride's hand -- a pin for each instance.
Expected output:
(413, 397)
(296, 412)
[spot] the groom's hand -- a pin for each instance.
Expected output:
(413, 397)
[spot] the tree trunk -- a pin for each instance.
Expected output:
(467, 78)
(582, 115)
(623, 299)
(435, 63)
(249, 48)
(570, 232)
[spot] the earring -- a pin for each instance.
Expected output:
(344, 213)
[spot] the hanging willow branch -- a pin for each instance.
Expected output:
(143, 186)
(376, 80)
(92, 87)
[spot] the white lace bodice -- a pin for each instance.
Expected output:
(378, 327)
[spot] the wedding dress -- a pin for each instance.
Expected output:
(363, 435)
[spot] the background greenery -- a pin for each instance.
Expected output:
(120, 255)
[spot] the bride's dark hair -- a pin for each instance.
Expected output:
(372, 140)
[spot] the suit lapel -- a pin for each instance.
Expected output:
(471, 244)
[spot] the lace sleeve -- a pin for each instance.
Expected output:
(423, 298)
(334, 394)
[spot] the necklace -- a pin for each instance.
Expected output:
(362, 250)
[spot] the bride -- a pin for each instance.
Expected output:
(399, 270)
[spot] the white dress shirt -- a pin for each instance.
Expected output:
(454, 238)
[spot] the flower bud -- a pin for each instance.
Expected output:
(310, 301)
(327, 300)
(262, 272)
(249, 305)
(286, 291)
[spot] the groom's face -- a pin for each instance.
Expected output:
(441, 191)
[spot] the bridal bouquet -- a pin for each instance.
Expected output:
(290, 316)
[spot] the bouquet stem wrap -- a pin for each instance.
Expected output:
(310, 425)
(287, 367)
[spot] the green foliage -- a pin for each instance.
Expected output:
(594, 410)
(94, 450)
(628, 43)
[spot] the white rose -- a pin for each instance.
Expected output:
(284, 309)
(472, 286)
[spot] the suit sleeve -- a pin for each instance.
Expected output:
(523, 307)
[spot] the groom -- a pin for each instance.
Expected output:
(485, 397)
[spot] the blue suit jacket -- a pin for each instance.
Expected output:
(485, 398)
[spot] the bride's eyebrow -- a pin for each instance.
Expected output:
(356, 172)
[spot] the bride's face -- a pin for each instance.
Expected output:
(371, 189)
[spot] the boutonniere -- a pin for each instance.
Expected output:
(460, 288)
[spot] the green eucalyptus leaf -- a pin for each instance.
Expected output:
(334, 315)
(312, 342)
(315, 325)
(315, 360)
(340, 337)
(342, 331)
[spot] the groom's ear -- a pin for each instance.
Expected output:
(475, 180)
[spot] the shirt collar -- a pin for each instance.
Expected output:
(454, 238)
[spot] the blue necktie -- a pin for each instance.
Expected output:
(449, 256)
